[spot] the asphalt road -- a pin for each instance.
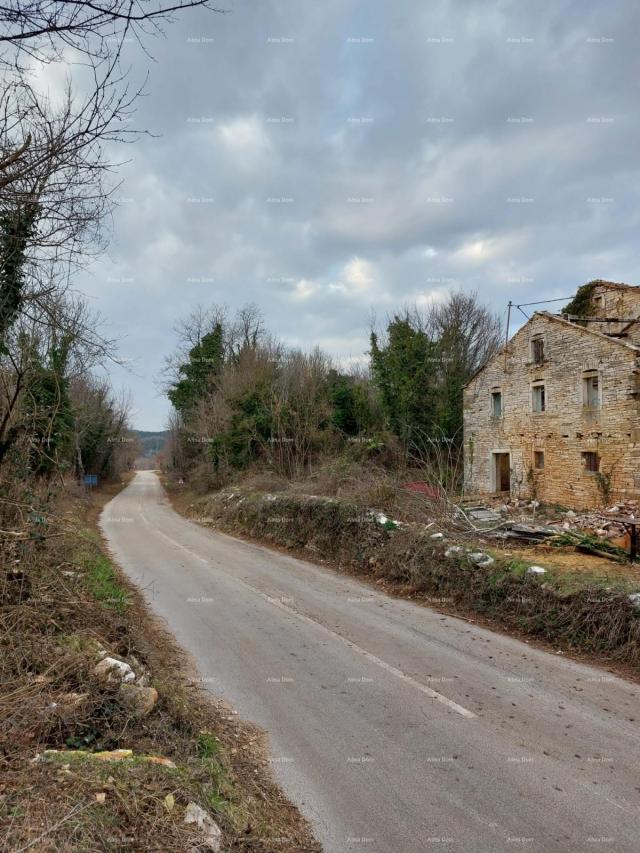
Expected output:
(394, 728)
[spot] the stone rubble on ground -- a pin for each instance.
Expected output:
(480, 558)
(210, 829)
(138, 701)
(113, 670)
(453, 551)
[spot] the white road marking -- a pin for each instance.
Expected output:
(392, 670)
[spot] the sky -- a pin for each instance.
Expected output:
(333, 162)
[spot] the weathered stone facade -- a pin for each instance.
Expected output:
(581, 448)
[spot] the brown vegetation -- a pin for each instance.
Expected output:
(587, 617)
(64, 604)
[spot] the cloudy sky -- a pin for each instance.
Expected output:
(333, 161)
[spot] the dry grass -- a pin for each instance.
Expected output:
(51, 626)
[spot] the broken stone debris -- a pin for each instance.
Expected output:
(112, 670)
(479, 558)
(212, 833)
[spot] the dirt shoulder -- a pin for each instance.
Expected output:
(92, 762)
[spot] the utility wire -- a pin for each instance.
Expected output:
(545, 301)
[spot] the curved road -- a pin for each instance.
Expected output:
(394, 728)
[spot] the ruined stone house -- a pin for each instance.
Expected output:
(555, 415)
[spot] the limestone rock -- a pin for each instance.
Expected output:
(210, 829)
(453, 551)
(112, 670)
(139, 701)
(479, 558)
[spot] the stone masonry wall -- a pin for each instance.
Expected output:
(566, 428)
(623, 302)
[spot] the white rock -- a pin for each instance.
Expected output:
(437, 535)
(453, 551)
(212, 832)
(536, 570)
(634, 598)
(479, 558)
(112, 669)
(570, 513)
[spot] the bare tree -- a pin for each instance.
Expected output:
(32, 341)
(467, 328)
(42, 29)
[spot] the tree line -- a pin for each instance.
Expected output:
(59, 416)
(242, 398)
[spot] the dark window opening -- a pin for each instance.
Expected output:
(538, 460)
(537, 350)
(591, 461)
(496, 404)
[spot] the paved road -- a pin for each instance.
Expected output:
(395, 729)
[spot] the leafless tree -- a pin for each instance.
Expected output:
(29, 344)
(43, 29)
(299, 408)
(470, 330)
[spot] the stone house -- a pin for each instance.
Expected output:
(555, 415)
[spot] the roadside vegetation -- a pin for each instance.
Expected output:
(459, 574)
(362, 469)
(105, 743)
(89, 762)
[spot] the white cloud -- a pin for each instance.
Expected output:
(246, 137)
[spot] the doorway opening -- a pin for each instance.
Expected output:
(502, 472)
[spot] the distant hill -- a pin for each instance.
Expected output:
(151, 442)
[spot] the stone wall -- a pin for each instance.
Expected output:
(566, 429)
(611, 301)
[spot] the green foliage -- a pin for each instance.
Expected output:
(16, 229)
(604, 482)
(103, 583)
(205, 362)
(48, 410)
(580, 305)
(405, 370)
(351, 406)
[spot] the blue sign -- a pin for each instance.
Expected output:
(91, 480)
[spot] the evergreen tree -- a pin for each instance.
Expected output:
(16, 229)
(206, 359)
(405, 370)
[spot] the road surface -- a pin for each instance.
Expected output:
(394, 728)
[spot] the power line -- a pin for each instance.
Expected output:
(545, 301)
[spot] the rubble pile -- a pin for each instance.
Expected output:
(605, 523)
(528, 521)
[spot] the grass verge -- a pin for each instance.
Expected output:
(81, 769)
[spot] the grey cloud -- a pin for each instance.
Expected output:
(326, 161)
